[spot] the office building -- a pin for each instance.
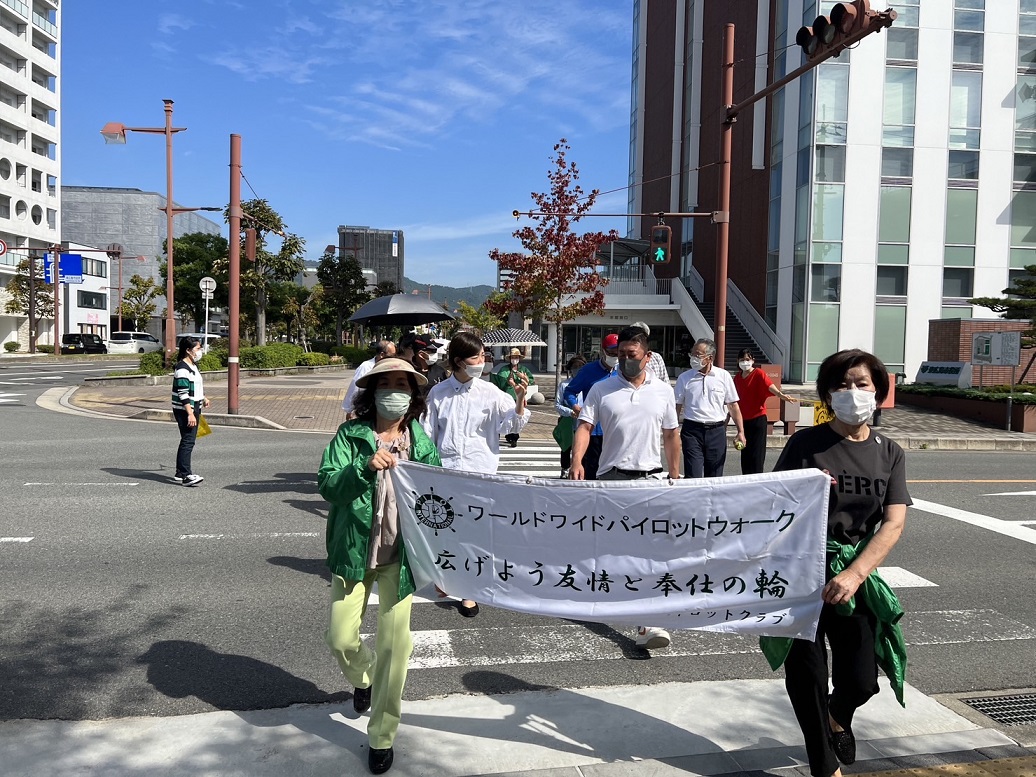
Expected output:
(379, 250)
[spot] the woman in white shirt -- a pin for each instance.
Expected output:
(466, 417)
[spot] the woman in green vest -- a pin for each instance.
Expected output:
(509, 376)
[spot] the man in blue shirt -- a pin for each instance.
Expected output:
(586, 377)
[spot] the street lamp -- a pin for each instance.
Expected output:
(113, 132)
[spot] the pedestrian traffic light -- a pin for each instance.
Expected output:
(661, 237)
(828, 34)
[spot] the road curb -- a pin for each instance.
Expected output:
(214, 419)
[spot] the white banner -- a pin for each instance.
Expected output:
(739, 554)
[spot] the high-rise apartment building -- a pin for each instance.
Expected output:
(877, 192)
(380, 250)
(30, 124)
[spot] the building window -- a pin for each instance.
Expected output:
(963, 165)
(891, 281)
(830, 166)
(827, 211)
(899, 106)
(88, 299)
(897, 162)
(967, 48)
(894, 214)
(1025, 168)
(890, 335)
(1023, 220)
(826, 283)
(965, 109)
(957, 282)
(901, 45)
(961, 215)
(96, 267)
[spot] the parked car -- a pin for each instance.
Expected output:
(133, 342)
(206, 339)
(82, 343)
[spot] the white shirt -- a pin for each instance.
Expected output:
(632, 420)
(465, 421)
(350, 395)
(705, 396)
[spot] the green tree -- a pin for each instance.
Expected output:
(269, 267)
(344, 286)
(19, 297)
(480, 319)
(386, 289)
(557, 279)
(197, 255)
(138, 301)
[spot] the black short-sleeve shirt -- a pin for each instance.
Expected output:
(870, 475)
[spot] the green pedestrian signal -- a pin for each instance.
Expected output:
(661, 237)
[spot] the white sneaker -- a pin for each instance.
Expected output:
(652, 638)
(193, 480)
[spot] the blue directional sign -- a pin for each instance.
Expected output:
(71, 268)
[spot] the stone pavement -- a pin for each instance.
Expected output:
(312, 402)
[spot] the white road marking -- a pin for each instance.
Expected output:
(116, 485)
(1013, 493)
(9, 398)
(897, 577)
(17, 539)
(256, 536)
(1008, 528)
(41, 377)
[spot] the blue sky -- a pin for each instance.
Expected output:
(437, 117)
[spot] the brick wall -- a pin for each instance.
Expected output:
(949, 340)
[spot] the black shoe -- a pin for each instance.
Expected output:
(362, 699)
(844, 745)
(379, 761)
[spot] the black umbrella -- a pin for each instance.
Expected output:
(400, 310)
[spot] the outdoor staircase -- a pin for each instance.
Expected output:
(737, 337)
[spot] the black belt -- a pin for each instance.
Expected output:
(705, 425)
(637, 472)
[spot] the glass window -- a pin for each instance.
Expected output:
(1025, 104)
(801, 167)
(1013, 276)
(827, 211)
(908, 15)
(1027, 6)
(831, 132)
(967, 48)
(826, 283)
(900, 96)
(956, 281)
(1027, 25)
(972, 21)
(1023, 257)
(897, 137)
(890, 333)
(827, 252)
(974, 5)
(966, 99)
(959, 256)
(802, 215)
(963, 165)
(902, 44)
(892, 281)
(956, 312)
(833, 93)
(1023, 219)
(897, 162)
(831, 164)
(1025, 168)
(773, 239)
(823, 332)
(893, 253)
(894, 215)
(961, 212)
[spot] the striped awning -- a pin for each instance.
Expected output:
(511, 337)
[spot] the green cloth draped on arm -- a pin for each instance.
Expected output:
(889, 645)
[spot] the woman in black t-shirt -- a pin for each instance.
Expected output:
(868, 502)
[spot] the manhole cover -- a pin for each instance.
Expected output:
(1018, 710)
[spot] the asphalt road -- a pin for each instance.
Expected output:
(123, 594)
(20, 379)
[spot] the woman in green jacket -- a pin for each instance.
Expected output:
(511, 375)
(364, 547)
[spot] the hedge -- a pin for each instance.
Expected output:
(1024, 394)
(267, 357)
(153, 363)
(314, 360)
(351, 354)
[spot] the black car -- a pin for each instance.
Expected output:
(82, 343)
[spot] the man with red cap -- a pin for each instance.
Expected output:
(586, 377)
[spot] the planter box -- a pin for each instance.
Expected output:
(1023, 417)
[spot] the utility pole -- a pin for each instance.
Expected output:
(234, 307)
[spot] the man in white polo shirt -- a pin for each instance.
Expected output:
(634, 408)
(704, 398)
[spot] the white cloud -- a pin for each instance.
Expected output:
(169, 23)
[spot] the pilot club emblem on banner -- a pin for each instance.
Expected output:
(741, 554)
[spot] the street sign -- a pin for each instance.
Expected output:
(3, 248)
(997, 348)
(206, 295)
(207, 284)
(71, 268)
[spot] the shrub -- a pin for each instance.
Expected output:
(353, 355)
(153, 363)
(314, 359)
(210, 362)
(266, 357)
(45, 348)
(12, 345)
(1023, 394)
(122, 373)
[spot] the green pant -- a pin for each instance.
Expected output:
(384, 669)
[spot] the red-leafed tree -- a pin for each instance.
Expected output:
(557, 278)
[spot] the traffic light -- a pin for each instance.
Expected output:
(828, 33)
(661, 237)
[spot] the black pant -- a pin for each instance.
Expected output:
(753, 457)
(566, 458)
(854, 676)
(188, 434)
(592, 457)
(704, 449)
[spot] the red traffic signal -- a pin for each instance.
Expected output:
(828, 33)
(661, 239)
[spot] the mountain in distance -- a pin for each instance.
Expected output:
(452, 296)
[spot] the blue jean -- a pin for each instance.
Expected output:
(188, 434)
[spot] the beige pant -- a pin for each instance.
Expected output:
(385, 668)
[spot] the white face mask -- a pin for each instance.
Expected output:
(853, 406)
(745, 366)
(697, 362)
(431, 357)
(474, 371)
(514, 362)
(611, 361)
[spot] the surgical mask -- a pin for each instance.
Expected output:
(474, 371)
(697, 362)
(392, 404)
(631, 368)
(514, 362)
(745, 366)
(853, 406)
(611, 361)
(431, 357)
